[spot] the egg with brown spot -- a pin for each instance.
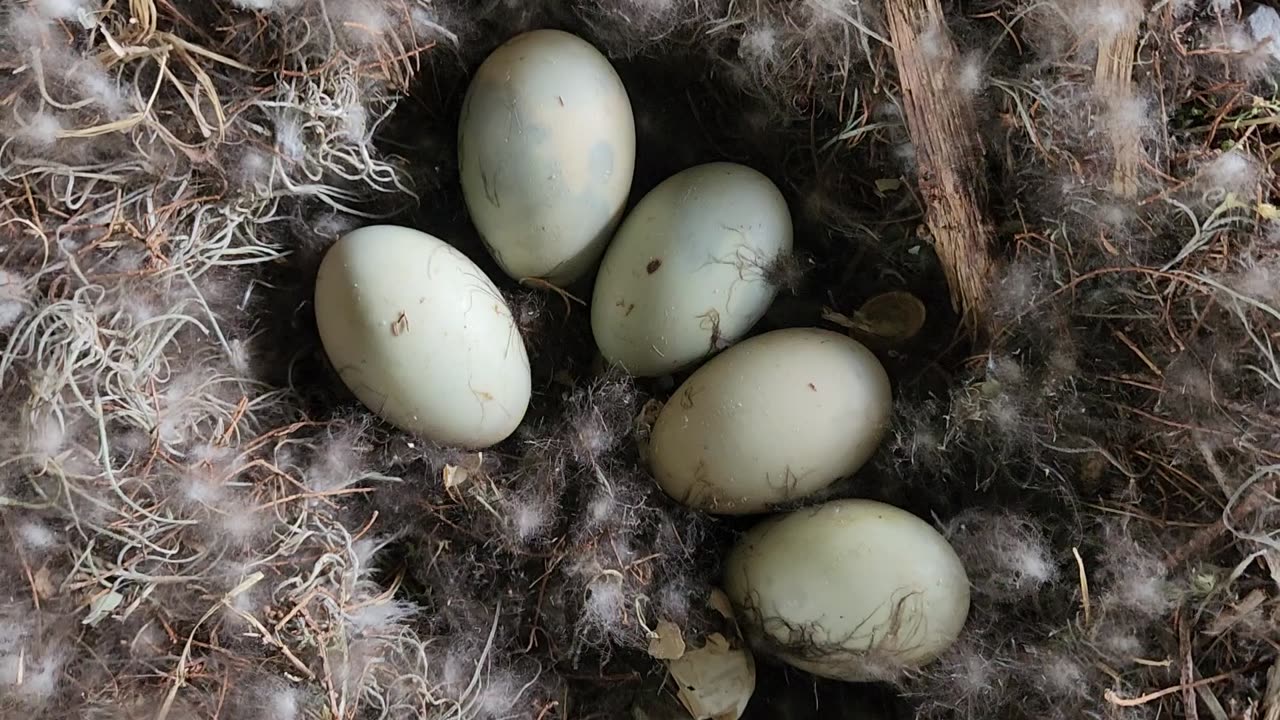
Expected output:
(421, 336)
(691, 269)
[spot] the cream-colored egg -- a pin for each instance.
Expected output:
(421, 336)
(687, 274)
(772, 419)
(853, 590)
(546, 152)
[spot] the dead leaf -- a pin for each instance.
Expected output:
(666, 642)
(717, 643)
(840, 319)
(42, 581)
(889, 318)
(456, 476)
(884, 185)
(714, 681)
(893, 316)
(647, 416)
(720, 603)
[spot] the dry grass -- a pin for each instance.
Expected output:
(203, 528)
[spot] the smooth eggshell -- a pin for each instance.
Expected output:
(772, 419)
(853, 590)
(546, 152)
(421, 336)
(687, 272)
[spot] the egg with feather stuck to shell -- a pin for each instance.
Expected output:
(853, 590)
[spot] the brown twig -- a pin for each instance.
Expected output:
(1115, 699)
(1271, 700)
(1258, 497)
(943, 127)
(565, 295)
(1188, 669)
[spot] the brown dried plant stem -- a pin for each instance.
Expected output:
(944, 130)
(1113, 81)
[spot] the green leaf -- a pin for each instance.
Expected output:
(102, 606)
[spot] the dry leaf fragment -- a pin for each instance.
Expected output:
(101, 606)
(889, 318)
(645, 419)
(886, 185)
(43, 584)
(894, 316)
(666, 642)
(715, 681)
(719, 602)
(456, 476)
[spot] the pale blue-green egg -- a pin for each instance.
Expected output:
(772, 419)
(691, 268)
(421, 336)
(853, 590)
(546, 154)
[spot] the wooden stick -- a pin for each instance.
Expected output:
(1113, 81)
(944, 129)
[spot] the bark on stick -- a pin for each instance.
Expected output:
(944, 130)
(1113, 81)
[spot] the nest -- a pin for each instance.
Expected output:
(204, 523)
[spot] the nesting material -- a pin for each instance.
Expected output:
(1113, 80)
(949, 152)
(203, 521)
(715, 679)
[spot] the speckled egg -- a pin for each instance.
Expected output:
(853, 590)
(421, 336)
(546, 152)
(772, 419)
(690, 269)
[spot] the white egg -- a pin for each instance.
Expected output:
(546, 152)
(421, 336)
(688, 271)
(772, 419)
(853, 590)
